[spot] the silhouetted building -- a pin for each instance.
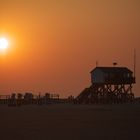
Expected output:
(109, 85)
(112, 75)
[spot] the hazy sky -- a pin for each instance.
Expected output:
(54, 44)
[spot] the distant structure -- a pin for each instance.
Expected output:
(18, 99)
(109, 85)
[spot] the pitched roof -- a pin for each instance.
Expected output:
(113, 69)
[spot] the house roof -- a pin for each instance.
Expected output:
(113, 69)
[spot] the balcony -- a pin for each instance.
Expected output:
(120, 80)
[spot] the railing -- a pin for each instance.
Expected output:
(121, 80)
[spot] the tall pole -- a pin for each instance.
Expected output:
(134, 62)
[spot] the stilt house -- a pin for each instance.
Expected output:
(109, 85)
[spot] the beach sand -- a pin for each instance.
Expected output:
(70, 122)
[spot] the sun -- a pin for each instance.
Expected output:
(3, 43)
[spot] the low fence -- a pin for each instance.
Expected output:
(30, 99)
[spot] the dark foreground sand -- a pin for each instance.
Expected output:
(70, 122)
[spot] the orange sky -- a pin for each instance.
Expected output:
(54, 44)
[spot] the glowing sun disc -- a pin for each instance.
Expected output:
(3, 43)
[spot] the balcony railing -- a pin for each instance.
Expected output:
(120, 80)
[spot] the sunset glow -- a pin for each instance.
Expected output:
(51, 46)
(3, 43)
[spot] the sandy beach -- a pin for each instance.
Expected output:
(70, 122)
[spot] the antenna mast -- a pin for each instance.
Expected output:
(134, 62)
